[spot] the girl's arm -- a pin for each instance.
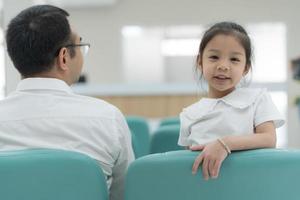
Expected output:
(264, 137)
(214, 153)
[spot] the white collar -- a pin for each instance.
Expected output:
(43, 84)
(240, 98)
(243, 97)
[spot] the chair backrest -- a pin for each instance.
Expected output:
(169, 121)
(140, 135)
(257, 174)
(46, 174)
(165, 138)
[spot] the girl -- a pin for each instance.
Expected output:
(230, 118)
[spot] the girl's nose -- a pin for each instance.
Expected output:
(224, 67)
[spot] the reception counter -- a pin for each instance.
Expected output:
(148, 100)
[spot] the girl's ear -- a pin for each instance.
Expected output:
(247, 69)
(62, 59)
(199, 63)
(199, 67)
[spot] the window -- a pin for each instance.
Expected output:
(269, 42)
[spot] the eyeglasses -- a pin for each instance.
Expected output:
(84, 47)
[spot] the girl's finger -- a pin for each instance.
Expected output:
(197, 162)
(197, 148)
(205, 168)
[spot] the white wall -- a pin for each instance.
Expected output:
(102, 26)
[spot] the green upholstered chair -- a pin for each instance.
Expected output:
(45, 174)
(169, 121)
(140, 135)
(265, 174)
(165, 138)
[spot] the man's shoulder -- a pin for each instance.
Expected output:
(96, 106)
(93, 101)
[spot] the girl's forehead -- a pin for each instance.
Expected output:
(222, 41)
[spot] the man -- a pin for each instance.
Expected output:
(43, 112)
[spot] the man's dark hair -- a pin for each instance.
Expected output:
(35, 36)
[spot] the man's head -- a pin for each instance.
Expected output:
(39, 39)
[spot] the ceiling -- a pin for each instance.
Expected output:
(77, 3)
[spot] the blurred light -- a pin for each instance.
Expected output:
(132, 31)
(180, 47)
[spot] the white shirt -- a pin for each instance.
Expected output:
(45, 113)
(238, 113)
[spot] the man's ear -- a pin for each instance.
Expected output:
(62, 59)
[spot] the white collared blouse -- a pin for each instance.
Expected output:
(238, 113)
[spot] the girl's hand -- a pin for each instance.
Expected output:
(211, 157)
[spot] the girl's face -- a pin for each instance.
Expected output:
(223, 64)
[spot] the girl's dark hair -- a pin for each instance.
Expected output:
(35, 35)
(227, 28)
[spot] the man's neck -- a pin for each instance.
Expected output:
(48, 75)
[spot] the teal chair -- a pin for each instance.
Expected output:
(140, 135)
(50, 174)
(165, 138)
(169, 121)
(266, 174)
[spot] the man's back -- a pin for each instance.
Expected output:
(45, 113)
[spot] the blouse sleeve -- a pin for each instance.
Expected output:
(267, 111)
(184, 130)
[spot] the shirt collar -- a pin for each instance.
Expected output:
(242, 97)
(43, 84)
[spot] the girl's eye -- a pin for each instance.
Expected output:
(213, 57)
(235, 60)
